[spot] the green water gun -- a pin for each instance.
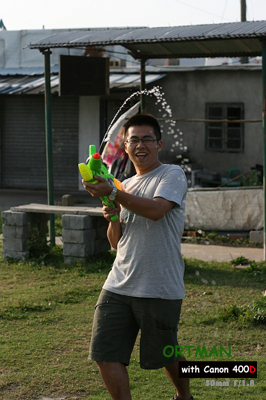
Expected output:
(94, 166)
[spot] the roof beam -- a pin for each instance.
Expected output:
(201, 47)
(166, 50)
(134, 53)
(244, 46)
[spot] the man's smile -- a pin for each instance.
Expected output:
(141, 155)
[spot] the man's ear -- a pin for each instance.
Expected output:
(159, 145)
(125, 146)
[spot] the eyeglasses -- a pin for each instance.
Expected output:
(147, 140)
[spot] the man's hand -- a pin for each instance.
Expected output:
(100, 189)
(109, 212)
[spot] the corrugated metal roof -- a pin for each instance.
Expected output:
(216, 40)
(27, 70)
(35, 84)
(131, 80)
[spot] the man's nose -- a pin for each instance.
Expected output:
(140, 143)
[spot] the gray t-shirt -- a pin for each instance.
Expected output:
(149, 261)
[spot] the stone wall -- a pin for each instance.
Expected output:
(82, 235)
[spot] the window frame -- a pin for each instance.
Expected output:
(224, 127)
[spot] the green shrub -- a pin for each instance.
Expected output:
(254, 179)
(254, 313)
(240, 261)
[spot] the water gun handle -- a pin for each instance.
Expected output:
(109, 203)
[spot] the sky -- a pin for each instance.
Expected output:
(64, 14)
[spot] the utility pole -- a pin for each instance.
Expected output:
(49, 142)
(243, 7)
(243, 10)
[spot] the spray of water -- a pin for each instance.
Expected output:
(164, 108)
(154, 91)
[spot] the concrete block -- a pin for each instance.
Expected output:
(11, 244)
(14, 218)
(77, 222)
(78, 250)
(78, 236)
(256, 236)
(101, 246)
(67, 200)
(16, 232)
(18, 255)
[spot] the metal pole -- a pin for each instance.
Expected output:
(142, 84)
(243, 7)
(264, 138)
(243, 14)
(49, 143)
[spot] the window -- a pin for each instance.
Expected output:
(117, 63)
(224, 136)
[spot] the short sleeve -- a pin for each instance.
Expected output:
(172, 185)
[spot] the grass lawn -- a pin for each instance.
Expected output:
(46, 312)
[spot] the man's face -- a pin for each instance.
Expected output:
(143, 155)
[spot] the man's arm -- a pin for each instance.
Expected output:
(153, 209)
(114, 231)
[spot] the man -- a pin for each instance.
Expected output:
(145, 287)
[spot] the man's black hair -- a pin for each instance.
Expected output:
(144, 119)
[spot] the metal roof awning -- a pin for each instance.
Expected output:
(26, 84)
(235, 39)
(35, 84)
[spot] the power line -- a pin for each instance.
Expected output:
(222, 17)
(199, 9)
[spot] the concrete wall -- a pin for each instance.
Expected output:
(187, 93)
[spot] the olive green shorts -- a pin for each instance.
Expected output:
(119, 318)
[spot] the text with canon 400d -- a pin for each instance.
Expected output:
(214, 369)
